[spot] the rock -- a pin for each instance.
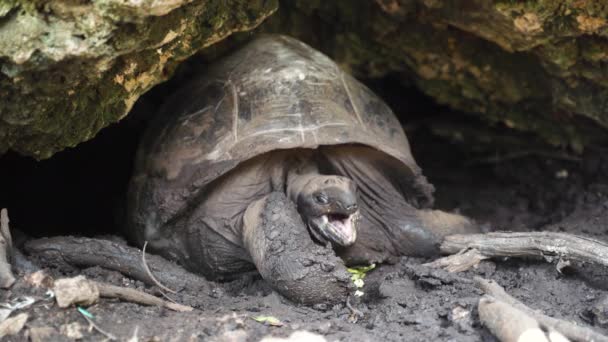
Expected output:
(42, 334)
(7, 279)
(599, 310)
(13, 325)
(39, 279)
(526, 66)
(521, 66)
(77, 290)
(72, 330)
(70, 68)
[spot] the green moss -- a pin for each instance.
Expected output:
(545, 80)
(65, 95)
(6, 6)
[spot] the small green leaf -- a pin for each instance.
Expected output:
(358, 274)
(270, 320)
(361, 270)
(359, 293)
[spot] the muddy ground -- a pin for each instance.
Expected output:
(405, 301)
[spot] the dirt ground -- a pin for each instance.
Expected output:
(405, 301)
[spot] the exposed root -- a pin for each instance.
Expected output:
(7, 279)
(550, 245)
(87, 252)
(510, 324)
(82, 291)
(510, 308)
(152, 277)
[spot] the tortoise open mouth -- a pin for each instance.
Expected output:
(336, 228)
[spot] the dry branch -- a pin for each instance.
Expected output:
(136, 296)
(510, 324)
(82, 291)
(87, 252)
(6, 247)
(548, 245)
(568, 329)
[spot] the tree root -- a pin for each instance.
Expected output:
(87, 252)
(470, 249)
(7, 279)
(136, 296)
(510, 320)
(509, 324)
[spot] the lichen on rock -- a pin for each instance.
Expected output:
(534, 66)
(70, 68)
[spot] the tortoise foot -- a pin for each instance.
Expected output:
(287, 258)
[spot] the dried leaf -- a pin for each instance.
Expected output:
(270, 320)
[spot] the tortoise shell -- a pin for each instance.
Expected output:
(274, 93)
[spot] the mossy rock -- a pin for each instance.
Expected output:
(535, 66)
(69, 68)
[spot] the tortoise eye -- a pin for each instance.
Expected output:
(321, 199)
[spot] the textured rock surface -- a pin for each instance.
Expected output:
(530, 65)
(69, 68)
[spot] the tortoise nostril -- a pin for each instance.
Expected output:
(352, 207)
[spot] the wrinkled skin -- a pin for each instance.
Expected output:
(264, 215)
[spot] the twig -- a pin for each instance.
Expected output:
(355, 313)
(86, 252)
(136, 296)
(5, 231)
(96, 327)
(549, 245)
(7, 279)
(156, 282)
(167, 297)
(510, 324)
(568, 329)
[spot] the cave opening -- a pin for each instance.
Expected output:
(81, 191)
(485, 94)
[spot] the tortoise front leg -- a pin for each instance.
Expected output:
(286, 257)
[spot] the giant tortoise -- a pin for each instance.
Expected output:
(277, 160)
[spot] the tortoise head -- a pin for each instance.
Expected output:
(328, 205)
